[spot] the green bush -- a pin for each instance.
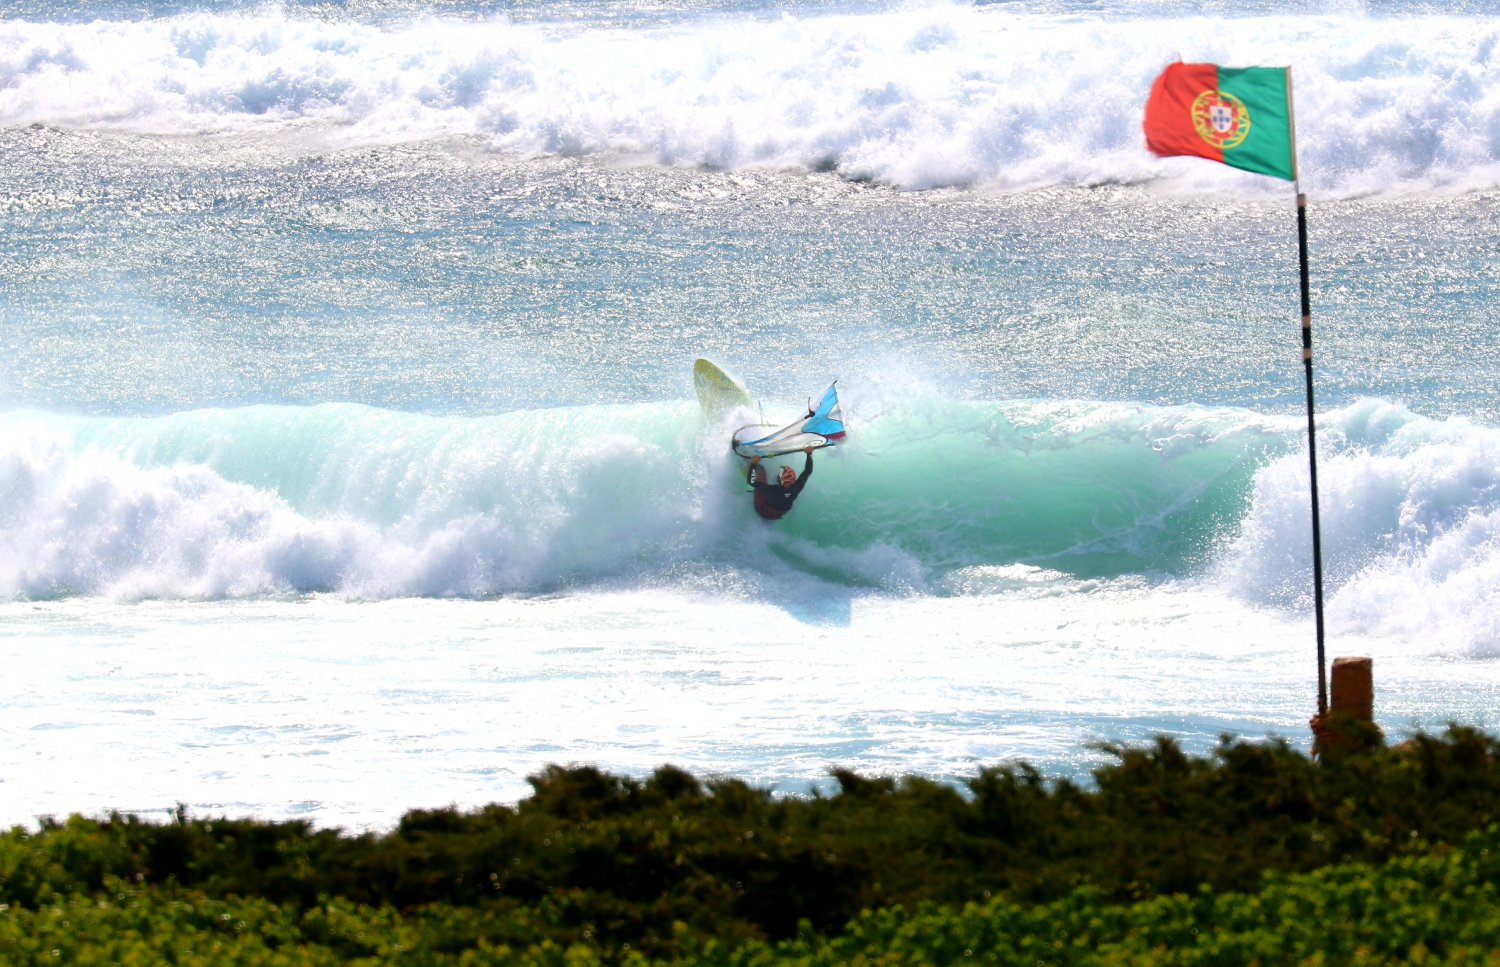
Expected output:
(673, 867)
(1439, 908)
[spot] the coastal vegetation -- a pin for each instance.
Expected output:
(1252, 853)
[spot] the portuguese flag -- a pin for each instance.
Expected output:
(1241, 117)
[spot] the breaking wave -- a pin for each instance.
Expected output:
(918, 98)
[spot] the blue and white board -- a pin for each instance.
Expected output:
(822, 426)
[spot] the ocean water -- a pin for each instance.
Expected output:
(349, 457)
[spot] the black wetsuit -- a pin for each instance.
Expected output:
(772, 500)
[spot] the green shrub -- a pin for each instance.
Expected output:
(667, 866)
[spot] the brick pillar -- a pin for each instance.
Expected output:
(1350, 722)
(1353, 690)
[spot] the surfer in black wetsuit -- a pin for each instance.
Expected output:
(772, 501)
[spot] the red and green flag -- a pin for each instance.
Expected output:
(1240, 116)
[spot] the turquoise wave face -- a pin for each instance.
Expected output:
(1086, 489)
(930, 497)
(371, 502)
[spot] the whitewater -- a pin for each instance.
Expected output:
(349, 458)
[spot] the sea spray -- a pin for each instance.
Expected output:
(930, 96)
(948, 498)
(1411, 528)
(374, 503)
(276, 500)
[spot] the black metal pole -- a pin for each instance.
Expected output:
(1312, 449)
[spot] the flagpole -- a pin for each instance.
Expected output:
(1312, 448)
(1307, 370)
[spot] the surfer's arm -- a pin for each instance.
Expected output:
(806, 472)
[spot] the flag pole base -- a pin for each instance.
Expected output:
(1349, 724)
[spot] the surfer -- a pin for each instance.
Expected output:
(772, 501)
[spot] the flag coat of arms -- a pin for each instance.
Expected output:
(1240, 117)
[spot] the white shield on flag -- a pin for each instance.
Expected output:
(1222, 118)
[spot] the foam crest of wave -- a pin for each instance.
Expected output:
(267, 501)
(354, 500)
(1410, 512)
(913, 97)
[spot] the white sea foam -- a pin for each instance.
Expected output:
(916, 98)
(369, 504)
(365, 502)
(1410, 514)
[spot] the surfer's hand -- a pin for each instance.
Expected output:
(754, 461)
(808, 449)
